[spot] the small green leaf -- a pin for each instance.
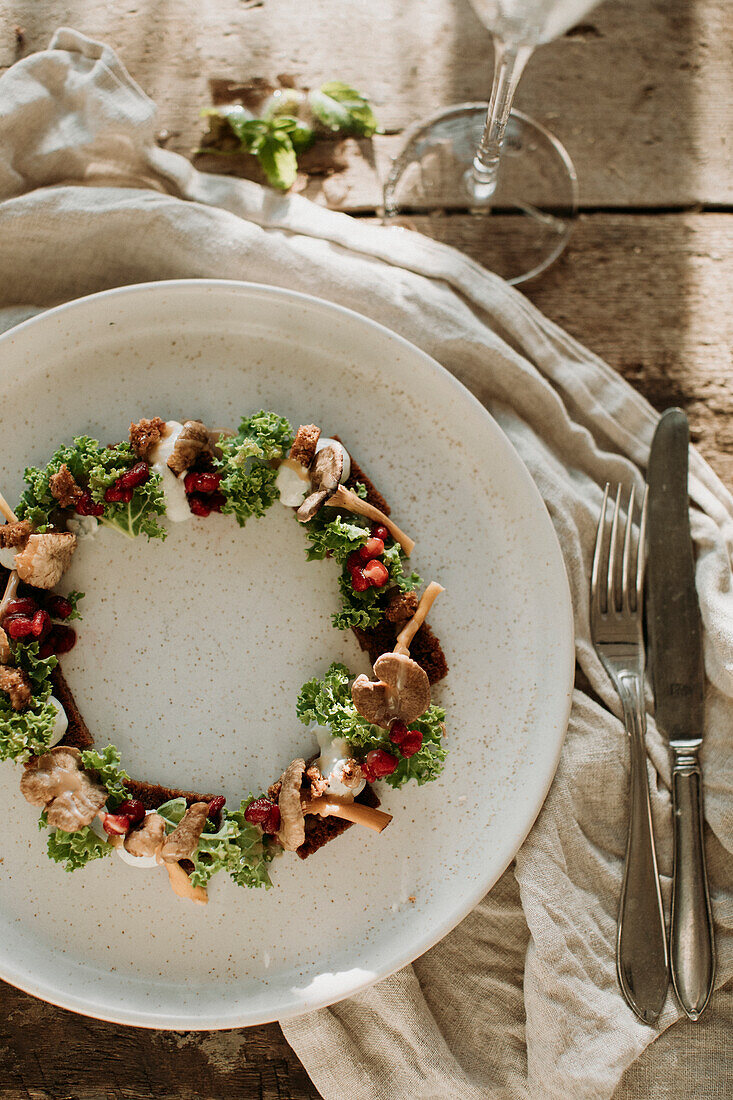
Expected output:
(277, 157)
(341, 109)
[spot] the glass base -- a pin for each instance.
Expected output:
(517, 229)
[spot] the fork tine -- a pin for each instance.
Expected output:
(612, 553)
(595, 578)
(641, 555)
(626, 575)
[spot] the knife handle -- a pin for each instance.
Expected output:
(641, 947)
(692, 944)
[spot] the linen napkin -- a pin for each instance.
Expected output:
(521, 999)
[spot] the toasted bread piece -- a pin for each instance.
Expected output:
(153, 795)
(77, 735)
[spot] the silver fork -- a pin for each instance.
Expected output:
(616, 604)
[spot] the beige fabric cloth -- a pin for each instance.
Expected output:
(520, 1000)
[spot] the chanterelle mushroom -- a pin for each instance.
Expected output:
(325, 474)
(291, 833)
(5, 650)
(192, 440)
(45, 558)
(401, 690)
(147, 838)
(57, 780)
(183, 841)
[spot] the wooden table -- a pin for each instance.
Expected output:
(640, 94)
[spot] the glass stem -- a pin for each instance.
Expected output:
(509, 62)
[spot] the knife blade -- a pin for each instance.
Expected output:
(675, 646)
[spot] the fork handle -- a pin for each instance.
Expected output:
(641, 950)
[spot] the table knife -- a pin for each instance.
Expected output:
(675, 647)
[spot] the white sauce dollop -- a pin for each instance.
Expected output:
(61, 724)
(335, 752)
(7, 556)
(143, 862)
(293, 487)
(84, 527)
(174, 492)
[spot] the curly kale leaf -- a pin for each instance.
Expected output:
(75, 850)
(235, 846)
(107, 765)
(328, 702)
(25, 733)
(38, 669)
(36, 502)
(248, 479)
(95, 467)
(254, 851)
(336, 534)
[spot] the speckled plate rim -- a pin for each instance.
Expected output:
(556, 727)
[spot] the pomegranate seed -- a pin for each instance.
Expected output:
(359, 581)
(133, 809)
(59, 607)
(40, 624)
(116, 824)
(272, 822)
(379, 531)
(19, 627)
(367, 772)
(372, 548)
(216, 805)
(199, 506)
(398, 731)
(354, 561)
(136, 475)
(23, 606)
(376, 573)
(116, 495)
(62, 638)
(258, 811)
(202, 482)
(85, 506)
(216, 501)
(380, 762)
(412, 743)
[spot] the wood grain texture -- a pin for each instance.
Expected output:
(640, 93)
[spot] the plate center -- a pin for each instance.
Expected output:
(192, 651)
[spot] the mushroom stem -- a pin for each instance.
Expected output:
(359, 814)
(411, 627)
(7, 511)
(350, 502)
(11, 589)
(181, 885)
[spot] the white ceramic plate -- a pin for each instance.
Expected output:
(192, 652)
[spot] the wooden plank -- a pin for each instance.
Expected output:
(651, 295)
(640, 93)
(46, 1052)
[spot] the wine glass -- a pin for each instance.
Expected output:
(480, 159)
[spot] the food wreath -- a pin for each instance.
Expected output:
(382, 727)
